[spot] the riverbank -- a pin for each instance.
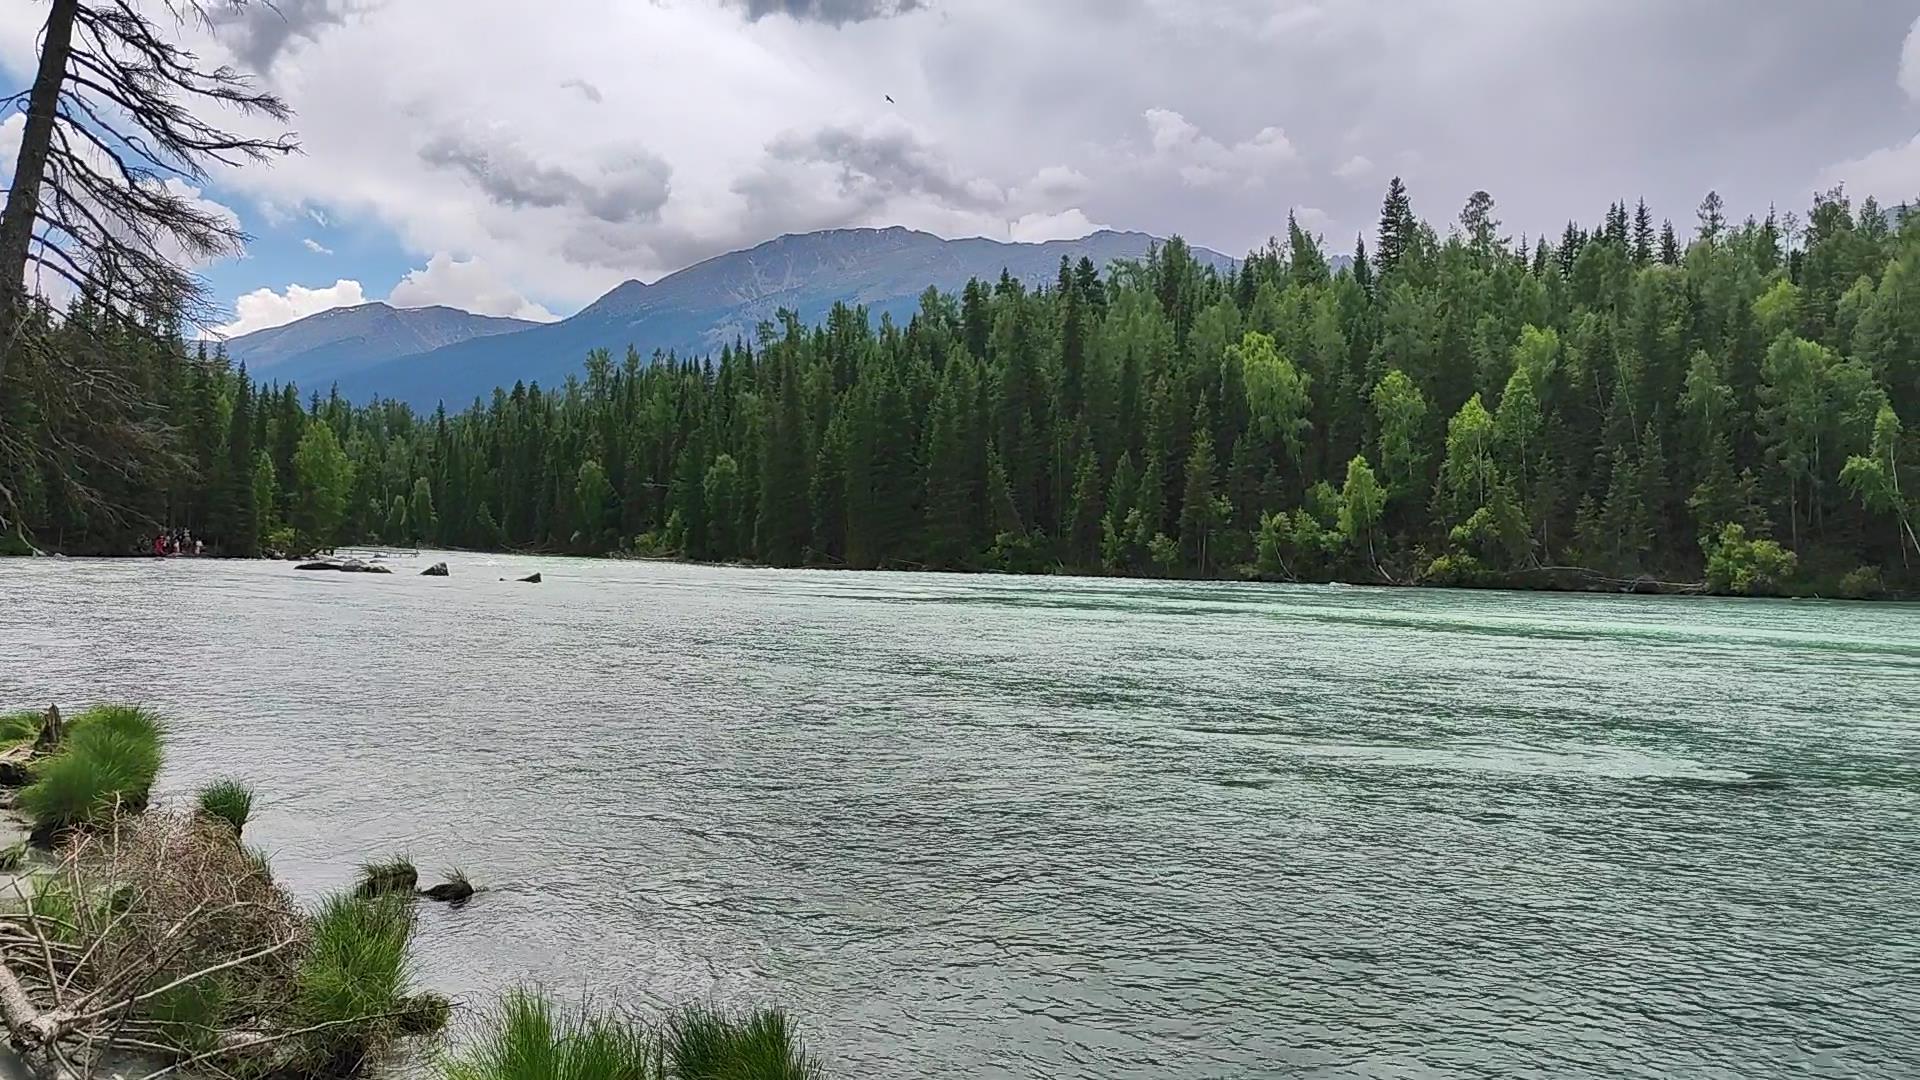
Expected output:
(1863, 586)
(147, 941)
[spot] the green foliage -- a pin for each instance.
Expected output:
(528, 1038)
(227, 800)
(106, 765)
(396, 874)
(324, 476)
(1863, 583)
(1276, 392)
(21, 726)
(356, 968)
(1630, 393)
(1362, 502)
(1401, 411)
(706, 1044)
(1739, 566)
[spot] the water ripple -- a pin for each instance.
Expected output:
(1079, 829)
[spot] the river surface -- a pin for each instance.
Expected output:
(1076, 829)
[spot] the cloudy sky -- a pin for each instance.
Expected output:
(518, 158)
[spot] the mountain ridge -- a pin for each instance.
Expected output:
(701, 308)
(342, 340)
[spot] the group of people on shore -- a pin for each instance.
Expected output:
(177, 542)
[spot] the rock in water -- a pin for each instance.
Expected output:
(320, 564)
(456, 891)
(438, 569)
(535, 578)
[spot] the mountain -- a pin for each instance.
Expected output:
(319, 349)
(696, 311)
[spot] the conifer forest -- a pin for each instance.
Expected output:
(1611, 407)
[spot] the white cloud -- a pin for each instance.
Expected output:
(1428, 90)
(10, 132)
(1054, 182)
(1203, 161)
(315, 246)
(1069, 224)
(1910, 62)
(263, 308)
(1313, 219)
(468, 284)
(1355, 169)
(1892, 174)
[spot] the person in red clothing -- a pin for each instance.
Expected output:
(159, 545)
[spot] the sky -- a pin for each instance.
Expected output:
(521, 159)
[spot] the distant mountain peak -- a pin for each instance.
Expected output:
(694, 311)
(339, 341)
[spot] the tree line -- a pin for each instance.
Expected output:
(1606, 406)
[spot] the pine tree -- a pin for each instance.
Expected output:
(241, 533)
(1087, 509)
(1396, 226)
(1642, 234)
(1305, 263)
(1362, 269)
(783, 528)
(1200, 511)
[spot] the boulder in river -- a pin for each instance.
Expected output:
(438, 569)
(455, 890)
(534, 578)
(345, 566)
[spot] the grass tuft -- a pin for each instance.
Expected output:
(19, 727)
(130, 720)
(703, 1043)
(355, 974)
(227, 800)
(528, 1038)
(107, 763)
(388, 877)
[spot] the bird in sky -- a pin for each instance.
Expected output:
(889, 98)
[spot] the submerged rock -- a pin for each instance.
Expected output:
(457, 890)
(438, 569)
(345, 566)
(381, 879)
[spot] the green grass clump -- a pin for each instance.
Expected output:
(528, 1038)
(191, 1016)
(129, 720)
(355, 974)
(387, 877)
(705, 1044)
(227, 800)
(13, 858)
(21, 726)
(108, 762)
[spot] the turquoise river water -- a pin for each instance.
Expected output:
(1076, 829)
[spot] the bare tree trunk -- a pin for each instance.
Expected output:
(23, 198)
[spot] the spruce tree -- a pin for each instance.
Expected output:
(1396, 223)
(1642, 234)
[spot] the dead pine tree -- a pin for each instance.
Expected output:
(102, 203)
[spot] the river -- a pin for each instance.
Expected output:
(1076, 829)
